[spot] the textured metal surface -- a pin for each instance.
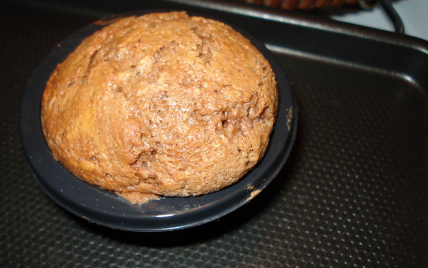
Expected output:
(351, 194)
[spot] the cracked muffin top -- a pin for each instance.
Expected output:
(163, 104)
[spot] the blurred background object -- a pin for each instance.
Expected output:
(362, 12)
(303, 4)
(367, 13)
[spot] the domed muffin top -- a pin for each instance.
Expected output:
(163, 104)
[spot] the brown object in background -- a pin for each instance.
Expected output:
(301, 4)
(255, 1)
(289, 4)
(337, 3)
(322, 3)
(272, 3)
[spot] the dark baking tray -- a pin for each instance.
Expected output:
(353, 192)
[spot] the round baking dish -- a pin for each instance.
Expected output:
(169, 213)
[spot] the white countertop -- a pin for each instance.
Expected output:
(414, 14)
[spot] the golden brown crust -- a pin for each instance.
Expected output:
(165, 104)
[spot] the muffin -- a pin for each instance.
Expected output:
(163, 104)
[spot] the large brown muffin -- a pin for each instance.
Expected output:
(162, 104)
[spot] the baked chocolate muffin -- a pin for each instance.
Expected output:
(163, 104)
